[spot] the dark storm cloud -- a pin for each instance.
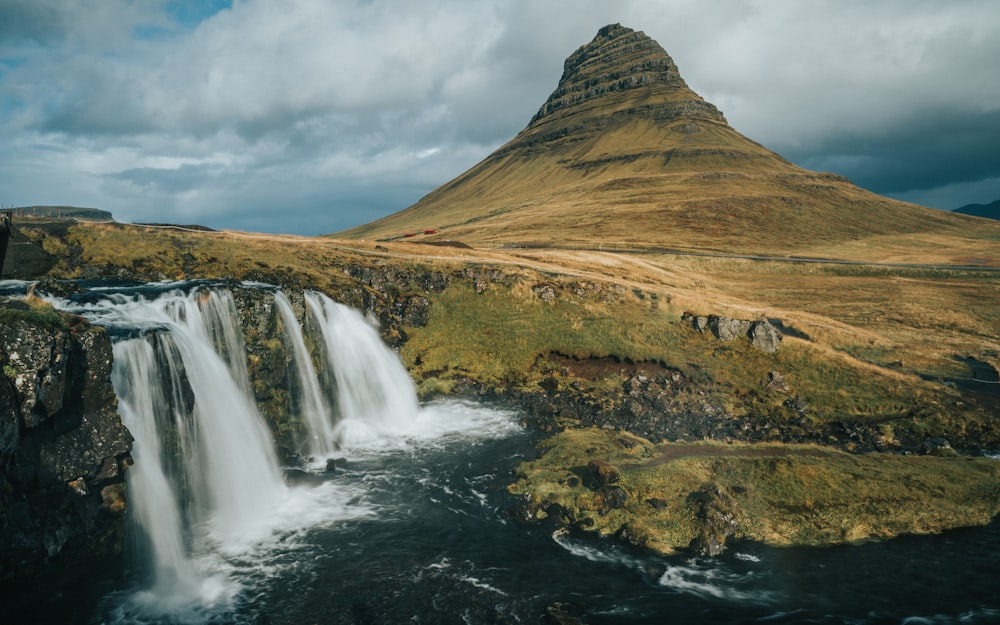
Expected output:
(947, 148)
(337, 113)
(22, 21)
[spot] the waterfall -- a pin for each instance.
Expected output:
(141, 406)
(230, 464)
(206, 477)
(375, 395)
(206, 480)
(309, 400)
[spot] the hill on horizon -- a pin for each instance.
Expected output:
(990, 211)
(68, 212)
(625, 154)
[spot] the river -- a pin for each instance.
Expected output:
(418, 533)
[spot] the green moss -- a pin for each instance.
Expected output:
(783, 494)
(496, 336)
(431, 387)
(34, 312)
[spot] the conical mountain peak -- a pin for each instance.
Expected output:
(617, 60)
(624, 153)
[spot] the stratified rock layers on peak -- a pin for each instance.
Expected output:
(620, 59)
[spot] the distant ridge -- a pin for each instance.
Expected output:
(69, 212)
(623, 153)
(990, 211)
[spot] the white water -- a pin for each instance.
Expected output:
(702, 578)
(310, 401)
(375, 396)
(139, 398)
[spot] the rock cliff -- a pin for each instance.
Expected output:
(63, 447)
(620, 59)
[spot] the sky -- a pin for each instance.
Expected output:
(313, 116)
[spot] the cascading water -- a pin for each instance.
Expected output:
(206, 478)
(309, 400)
(205, 467)
(139, 399)
(375, 395)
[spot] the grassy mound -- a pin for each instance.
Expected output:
(669, 497)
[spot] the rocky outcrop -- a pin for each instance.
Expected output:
(761, 333)
(63, 448)
(24, 258)
(621, 59)
(716, 513)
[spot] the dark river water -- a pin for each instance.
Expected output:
(416, 532)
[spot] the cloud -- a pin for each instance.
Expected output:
(925, 151)
(341, 112)
(899, 96)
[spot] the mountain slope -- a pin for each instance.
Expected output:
(624, 153)
(990, 211)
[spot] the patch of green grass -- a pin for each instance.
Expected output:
(496, 336)
(501, 337)
(33, 311)
(783, 494)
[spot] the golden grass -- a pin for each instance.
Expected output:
(638, 184)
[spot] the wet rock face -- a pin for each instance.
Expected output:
(63, 450)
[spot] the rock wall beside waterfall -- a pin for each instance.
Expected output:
(390, 296)
(63, 448)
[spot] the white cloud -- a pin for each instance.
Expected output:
(350, 108)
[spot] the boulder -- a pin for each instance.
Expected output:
(600, 474)
(727, 328)
(764, 336)
(937, 447)
(776, 382)
(614, 498)
(761, 333)
(716, 512)
(545, 292)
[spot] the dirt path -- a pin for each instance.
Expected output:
(673, 451)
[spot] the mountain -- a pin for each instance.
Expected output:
(68, 212)
(625, 154)
(990, 211)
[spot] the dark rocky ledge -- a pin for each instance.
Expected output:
(63, 451)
